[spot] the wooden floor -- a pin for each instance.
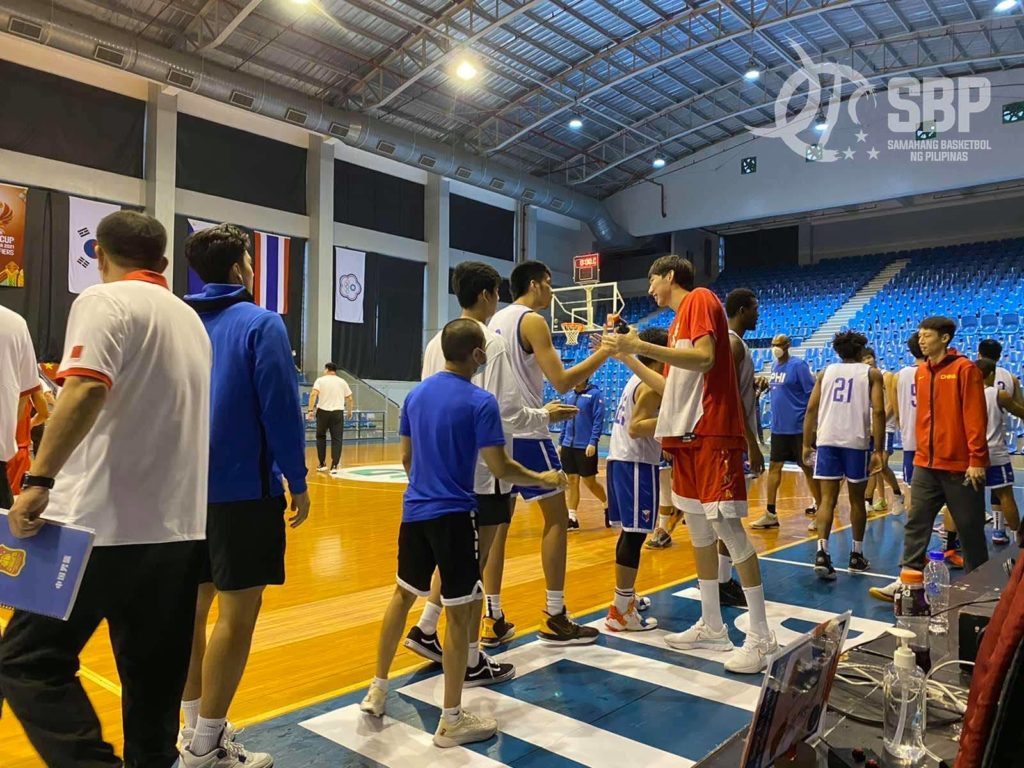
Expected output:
(316, 637)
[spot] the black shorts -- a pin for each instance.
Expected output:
(787, 448)
(493, 509)
(245, 544)
(448, 543)
(576, 462)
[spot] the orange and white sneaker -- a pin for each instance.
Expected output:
(630, 621)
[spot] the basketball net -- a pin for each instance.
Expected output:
(572, 332)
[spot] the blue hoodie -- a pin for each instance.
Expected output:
(256, 426)
(586, 428)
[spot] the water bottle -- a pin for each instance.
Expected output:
(905, 688)
(936, 587)
(912, 613)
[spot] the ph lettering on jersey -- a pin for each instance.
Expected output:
(777, 378)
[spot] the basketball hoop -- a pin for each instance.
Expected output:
(572, 332)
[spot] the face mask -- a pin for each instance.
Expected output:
(481, 363)
(778, 352)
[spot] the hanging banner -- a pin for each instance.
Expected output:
(84, 216)
(349, 279)
(270, 262)
(12, 235)
(195, 282)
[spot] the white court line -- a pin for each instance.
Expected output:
(391, 742)
(844, 570)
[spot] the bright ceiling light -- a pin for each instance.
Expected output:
(753, 71)
(301, 2)
(575, 123)
(820, 123)
(659, 162)
(465, 70)
(1006, 5)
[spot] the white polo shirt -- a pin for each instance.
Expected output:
(333, 391)
(19, 376)
(140, 475)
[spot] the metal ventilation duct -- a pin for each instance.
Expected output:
(84, 36)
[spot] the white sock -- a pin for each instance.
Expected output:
(572, 514)
(555, 602)
(664, 521)
(858, 546)
(756, 609)
(997, 519)
(474, 655)
(381, 682)
(451, 714)
(623, 597)
(823, 545)
(428, 621)
(494, 606)
(207, 736)
(710, 607)
(191, 712)
(724, 568)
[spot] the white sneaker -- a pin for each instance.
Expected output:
(767, 520)
(228, 754)
(886, 593)
(630, 621)
(322, 468)
(373, 702)
(185, 734)
(466, 730)
(753, 656)
(898, 507)
(700, 635)
(813, 525)
(336, 472)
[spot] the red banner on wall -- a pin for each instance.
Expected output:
(12, 236)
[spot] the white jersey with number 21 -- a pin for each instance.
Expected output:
(844, 411)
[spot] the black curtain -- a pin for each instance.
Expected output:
(481, 228)
(296, 278)
(388, 343)
(378, 201)
(60, 119)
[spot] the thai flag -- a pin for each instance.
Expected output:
(271, 267)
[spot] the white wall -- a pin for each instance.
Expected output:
(707, 189)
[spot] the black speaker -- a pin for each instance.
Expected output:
(973, 621)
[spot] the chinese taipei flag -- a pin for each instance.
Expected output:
(84, 217)
(271, 267)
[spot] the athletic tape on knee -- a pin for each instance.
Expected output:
(702, 534)
(627, 550)
(731, 531)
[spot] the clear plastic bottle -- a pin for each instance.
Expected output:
(936, 588)
(905, 686)
(912, 613)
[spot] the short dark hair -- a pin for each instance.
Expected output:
(470, 279)
(850, 345)
(656, 336)
(986, 366)
(459, 338)
(739, 298)
(132, 239)
(682, 270)
(330, 367)
(212, 252)
(524, 274)
(914, 345)
(990, 349)
(941, 325)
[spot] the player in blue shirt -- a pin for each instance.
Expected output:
(791, 383)
(578, 454)
(445, 421)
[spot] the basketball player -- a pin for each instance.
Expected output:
(701, 425)
(906, 408)
(534, 358)
(990, 349)
(578, 444)
(846, 409)
(875, 493)
(999, 475)
(476, 287)
(446, 421)
(633, 484)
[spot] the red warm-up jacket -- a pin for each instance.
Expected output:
(951, 415)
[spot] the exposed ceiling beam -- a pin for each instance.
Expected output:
(232, 25)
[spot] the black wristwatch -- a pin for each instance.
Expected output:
(36, 481)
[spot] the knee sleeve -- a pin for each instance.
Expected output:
(701, 532)
(731, 531)
(627, 551)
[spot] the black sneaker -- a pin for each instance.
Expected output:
(607, 520)
(823, 566)
(731, 594)
(574, 524)
(811, 511)
(496, 632)
(488, 672)
(659, 540)
(561, 630)
(858, 563)
(427, 646)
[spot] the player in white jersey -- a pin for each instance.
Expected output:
(633, 489)
(875, 493)
(846, 412)
(476, 288)
(534, 358)
(999, 475)
(906, 407)
(990, 349)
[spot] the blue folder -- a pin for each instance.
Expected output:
(42, 574)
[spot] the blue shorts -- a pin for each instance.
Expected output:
(890, 443)
(633, 495)
(908, 466)
(833, 463)
(999, 477)
(539, 456)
